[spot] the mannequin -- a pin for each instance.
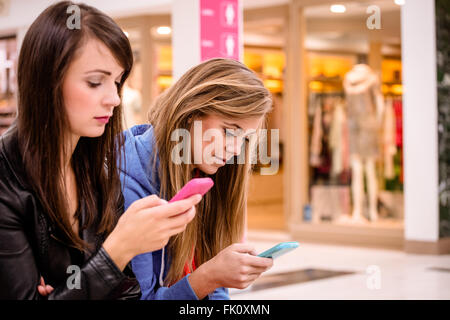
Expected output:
(364, 110)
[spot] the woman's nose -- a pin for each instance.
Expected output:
(112, 98)
(234, 147)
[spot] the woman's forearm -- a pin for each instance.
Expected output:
(117, 250)
(96, 280)
(202, 282)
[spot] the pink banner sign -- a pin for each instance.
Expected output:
(219, 29)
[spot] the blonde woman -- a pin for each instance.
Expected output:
(201, 126)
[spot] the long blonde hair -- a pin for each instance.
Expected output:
(221, 87)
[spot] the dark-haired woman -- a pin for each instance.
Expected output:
(63, 233)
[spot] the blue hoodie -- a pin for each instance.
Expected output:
(138, 181)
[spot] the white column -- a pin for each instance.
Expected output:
(190, 18)
(185, 35)
(420, 121)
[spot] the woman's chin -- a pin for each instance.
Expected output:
(208, 168)
(93, 133)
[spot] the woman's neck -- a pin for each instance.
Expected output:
(71, 144)
(69, 181)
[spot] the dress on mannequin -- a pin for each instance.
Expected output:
(364, 111)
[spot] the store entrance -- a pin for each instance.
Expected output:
(354, 163)
(354, 115)
(264, 54)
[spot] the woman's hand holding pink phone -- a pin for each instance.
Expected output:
(194, 186)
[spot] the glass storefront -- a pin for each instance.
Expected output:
(8, 60)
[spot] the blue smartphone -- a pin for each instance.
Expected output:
(279, 249)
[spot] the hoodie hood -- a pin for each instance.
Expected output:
(137, 158)
(138, 175)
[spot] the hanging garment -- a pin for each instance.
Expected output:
(362, 91)
(316, 138)
(345, 143)
(336, 139)
(389, 140)
(325, 155)
(397, 105)
(398, 110)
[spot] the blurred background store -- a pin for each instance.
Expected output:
(394, 195)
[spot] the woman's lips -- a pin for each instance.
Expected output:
(103, 120)
(222, 161)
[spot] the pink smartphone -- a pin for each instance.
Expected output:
(194, 186)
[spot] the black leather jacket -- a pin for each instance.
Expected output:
(29, 246)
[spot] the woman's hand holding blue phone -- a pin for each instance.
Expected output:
(236, 266)
(279, 249)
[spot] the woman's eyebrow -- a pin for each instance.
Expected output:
(247, 133)
(232, 124)
(100, 71)
(104, 72)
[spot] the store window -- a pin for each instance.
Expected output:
(164, 67)
(150, 39)
(269, 64)
(132, 90)
(8, 82)
(354, 117)
(265, 201)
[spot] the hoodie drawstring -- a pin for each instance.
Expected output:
(161, 273)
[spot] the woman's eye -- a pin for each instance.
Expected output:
(229, 132)
(93, 84)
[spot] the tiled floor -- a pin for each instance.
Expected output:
(377, 274)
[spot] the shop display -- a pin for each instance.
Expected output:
(355, 141)
(393, 144)
(330, 203)
(329, 139)
(365, 107)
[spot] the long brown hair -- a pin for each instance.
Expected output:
(48, 48)
(221, 87)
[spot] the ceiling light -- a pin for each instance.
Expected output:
(337, 8)
(164, 30)
(399, 2)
